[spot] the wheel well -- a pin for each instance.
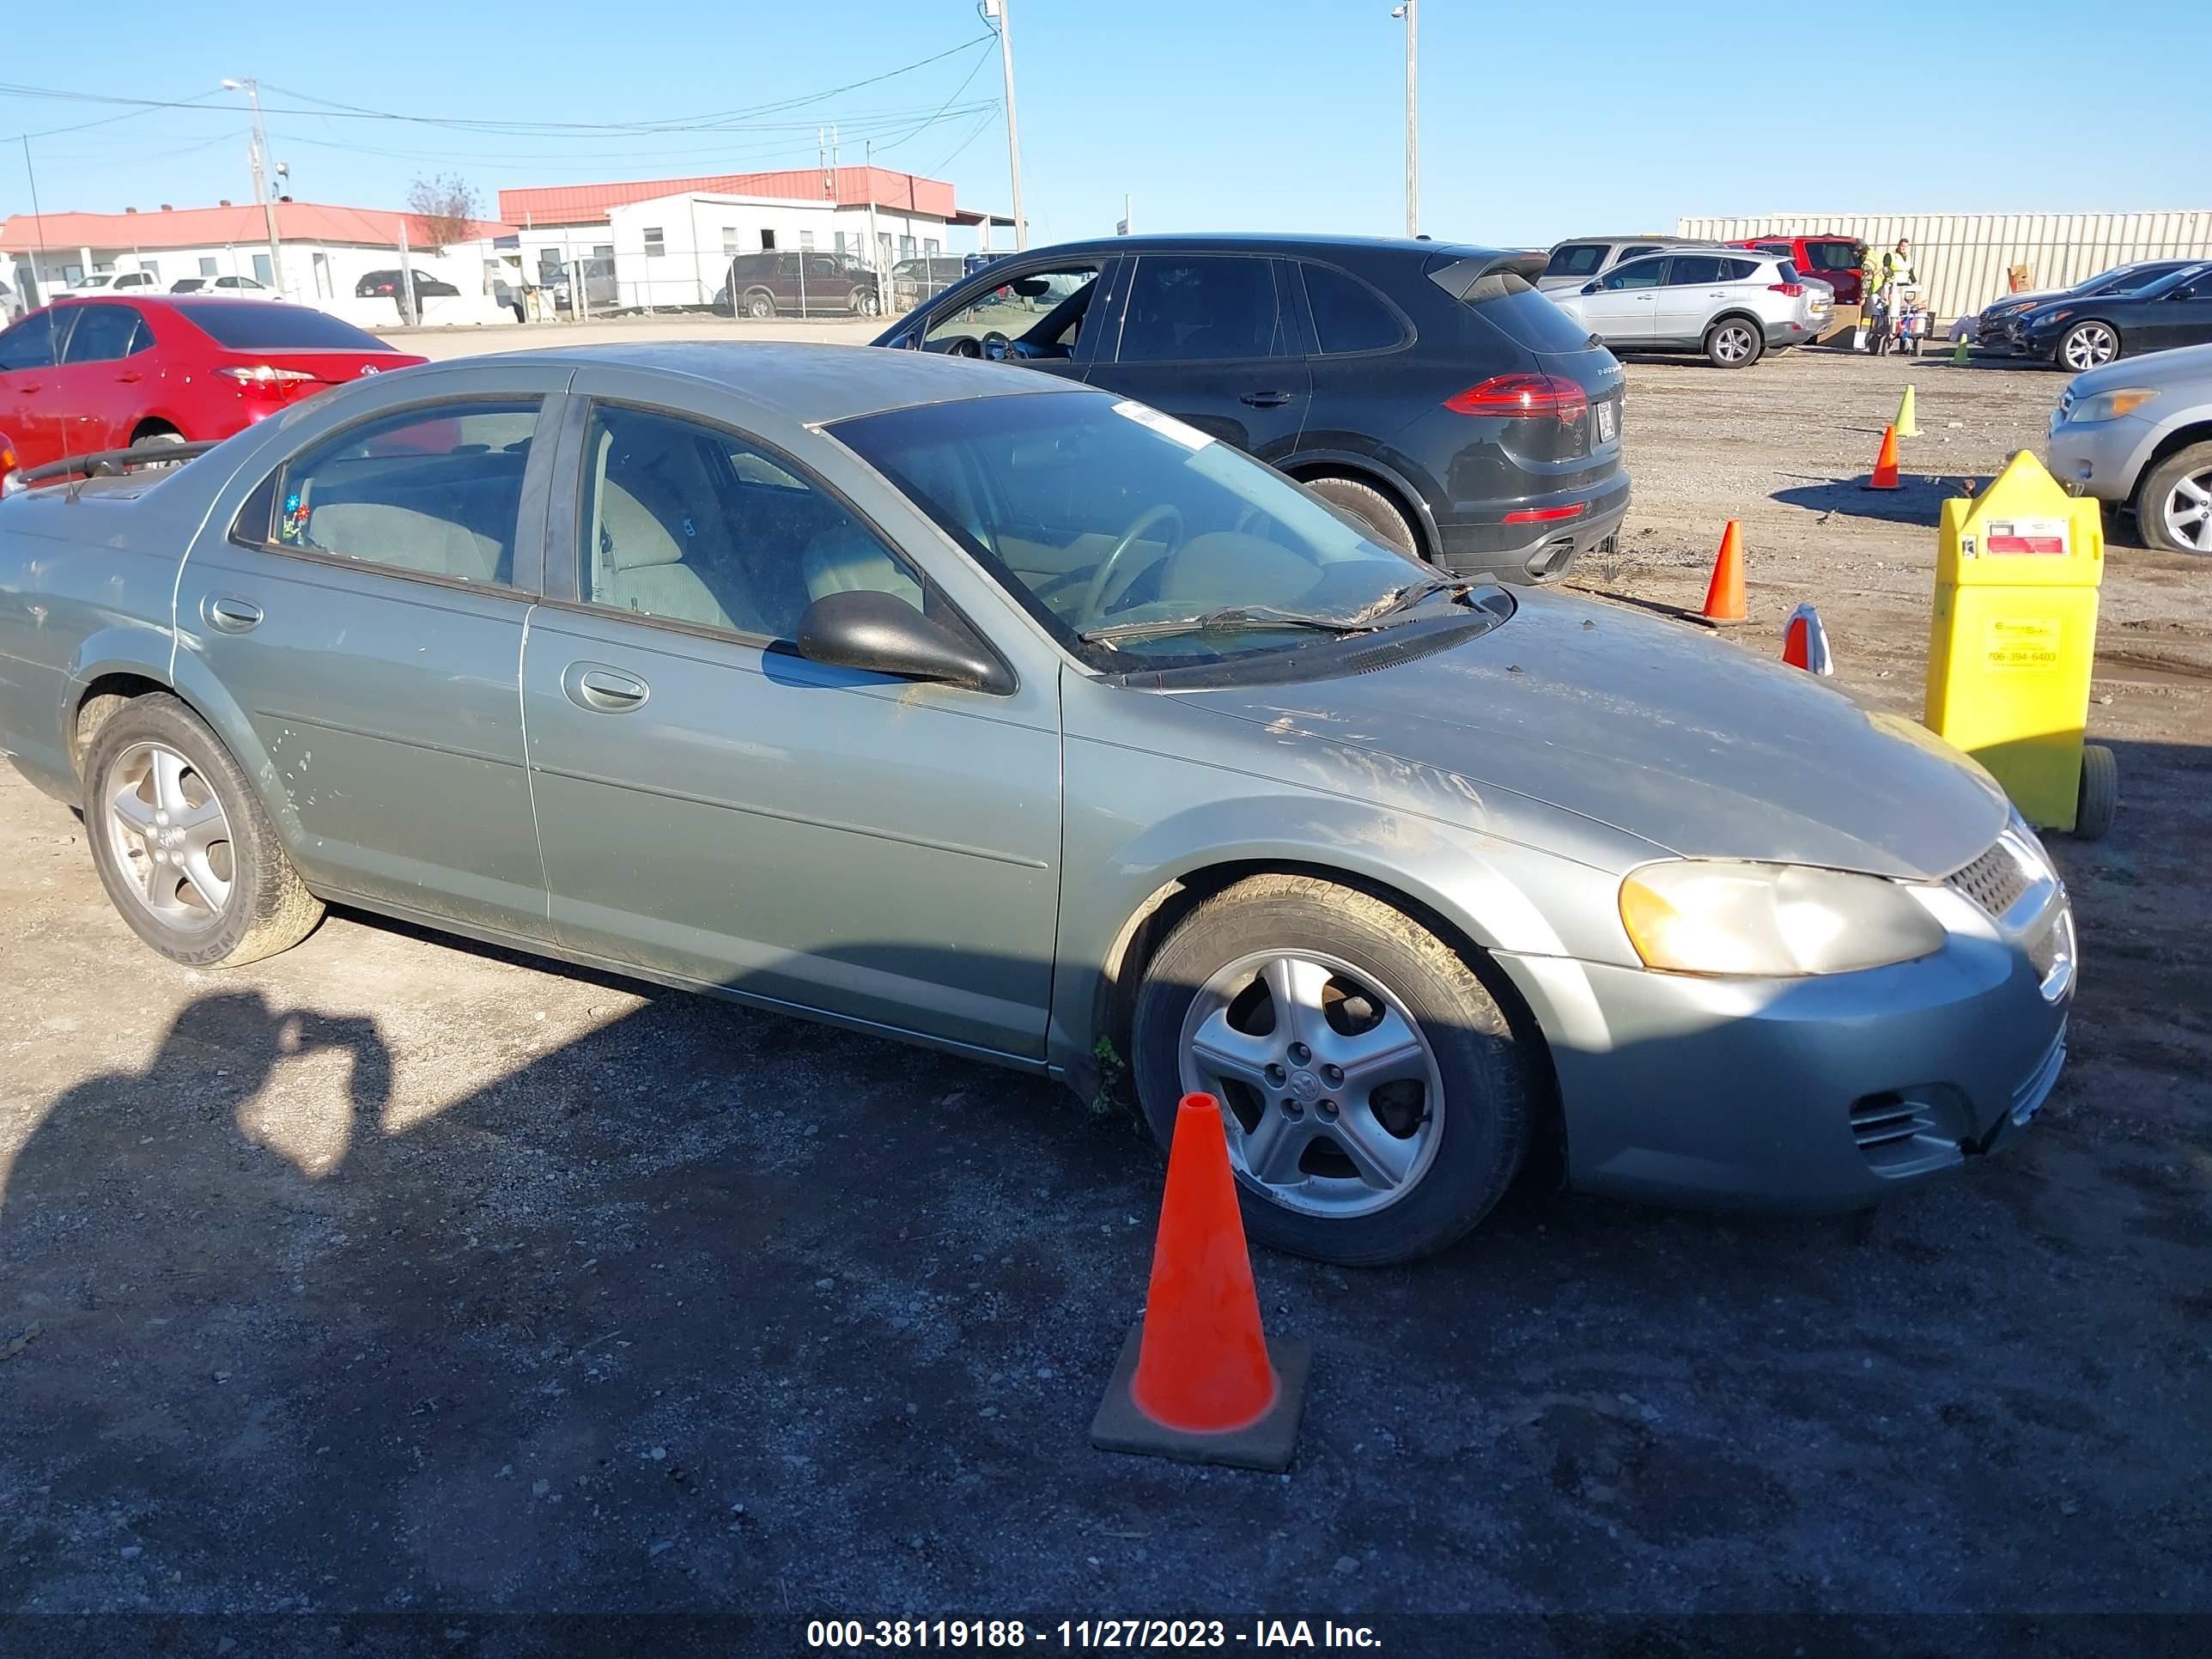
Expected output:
(1736, 317)
(2200, 433)
(101, 702)
(149, 427)
(1351, 473)
(1116, 1011)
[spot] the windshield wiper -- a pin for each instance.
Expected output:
(1414, 594)
(1235, 616)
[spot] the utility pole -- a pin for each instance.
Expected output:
(1411, 12)
(997, 8)
(257, 154)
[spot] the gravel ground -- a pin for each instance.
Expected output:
(398, 1276)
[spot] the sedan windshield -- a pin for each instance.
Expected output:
(1137, 540)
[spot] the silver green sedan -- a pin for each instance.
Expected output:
(942, 700)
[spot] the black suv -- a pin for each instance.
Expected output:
(1426, 388)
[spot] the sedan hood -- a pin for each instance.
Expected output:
(2185, 364)
(1663, 731)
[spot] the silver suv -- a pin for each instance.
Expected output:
(1732, 304)
(1572, 263)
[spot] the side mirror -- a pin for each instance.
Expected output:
(1592, 285)
(882, 634)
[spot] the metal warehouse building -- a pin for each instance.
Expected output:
(1962, 258)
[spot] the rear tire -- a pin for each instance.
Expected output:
(1734, 343)
(1372, 508)
(189, 859)
(1362, 1174)
(2174, 503)
(2100, 795)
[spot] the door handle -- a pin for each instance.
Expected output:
(1266, 400)
(233, 616)
(128, 377)
(607, 690)
(28, 390)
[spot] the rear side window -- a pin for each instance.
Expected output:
(1576, 260)
(1348, 314)
(1832, 255)
(1737, 270)
(1785, 272)
(1201, 308)
(265, 327)
(1525, 316)
(1687, 268)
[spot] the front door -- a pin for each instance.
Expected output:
(1207, 338)
(2182, 318)
(97, 387)
(716, 809)
(32, 413)
(366, 612)
(1624, 309)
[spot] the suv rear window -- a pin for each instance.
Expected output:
(1525, 316)
(255, 326)
(1576, 260)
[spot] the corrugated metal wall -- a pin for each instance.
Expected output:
(1962, 257)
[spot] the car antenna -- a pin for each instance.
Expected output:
(39, 218)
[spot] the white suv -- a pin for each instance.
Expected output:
(1732, 304)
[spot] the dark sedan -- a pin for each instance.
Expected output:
(1426, 389)
(2081, 333)
(1993, 324)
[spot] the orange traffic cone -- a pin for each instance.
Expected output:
(1724, 593)
(1195, 1381)
(1884, 463)
(1805, 642)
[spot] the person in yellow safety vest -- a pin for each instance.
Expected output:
(1897, 266)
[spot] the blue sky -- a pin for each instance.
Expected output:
(1539, 120)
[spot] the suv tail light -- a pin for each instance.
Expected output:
(1524, 397)
(262, 380)
(1793, 289)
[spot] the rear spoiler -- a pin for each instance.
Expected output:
(103, 464)
(1457, 277)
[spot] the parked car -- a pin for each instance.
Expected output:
(1834, 260)
(1424, 387)
(601, 291)
(972, 262)
(85, 376)
(1731, 305)
(11, 303)
(1569, 265)
(1991, 326)
(102, 282)
(1092, 737)
(386, 284)
(2138, 435)
(794, 281)
(2176, 310)
(916, 282)
(242, 287)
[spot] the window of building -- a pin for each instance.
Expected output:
(603, 251)
(906, 248)
(729, 241)
(152, 268)
(840, 244)
(806, 241)
(655, 244)
(932, 247)
(207, 267)
(768, 239)
(264, 272)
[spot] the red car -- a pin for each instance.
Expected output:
(87, 374)
(1834, 259)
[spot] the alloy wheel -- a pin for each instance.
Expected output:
(1330, 1092)
(2090, 345)
(2187, 511)
(170, 837)
(1732, 343)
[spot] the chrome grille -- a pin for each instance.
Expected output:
(1995, 881)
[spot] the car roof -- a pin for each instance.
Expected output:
(1261, 242)
(813, 385)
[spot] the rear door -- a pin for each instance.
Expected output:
(1207, 338)
(366, 613)
(1690, 294)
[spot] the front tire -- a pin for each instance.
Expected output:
(1372, 508)
(761, 308)
(1375, 1100)
(1734, 343)
(2174, 507)
(189, 859)
(2086, 345)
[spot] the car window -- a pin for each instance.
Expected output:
(689, 523)
(1832, 255)
(1045, 309)
(272, 327)
(30, 344)
(430, 492)
(1348, 314)
(1785, 272)
(1642, 273)
(1685, 269)
(1638, 250)
(1737, 270)
(104, 333)
(1201, 308)
(1576, 260)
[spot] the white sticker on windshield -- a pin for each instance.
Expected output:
(1166, 425)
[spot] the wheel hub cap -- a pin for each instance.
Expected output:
(169, 837)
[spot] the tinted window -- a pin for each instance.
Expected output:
(1348, 314)
(435, 492)
(1832, 255)
(1044, 311)
(1687, 268)
(1201, 309)
(1642, 273)
(1576, 260)
(2127, 282)
(30, 345)
(102, 334)
(1638, 250)
(268, 328)
(690, 524)
(1785, 272)
(1737, 270)
(1524, 316)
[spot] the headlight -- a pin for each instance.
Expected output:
(1770, 921)
(2110, 405)
(2056, 317)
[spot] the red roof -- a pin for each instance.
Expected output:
(168, 227)
(573, 204)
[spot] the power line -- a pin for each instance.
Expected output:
(972, 71)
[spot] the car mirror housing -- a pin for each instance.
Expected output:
(1590, 288)
(883, 634)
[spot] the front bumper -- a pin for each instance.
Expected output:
(1808, 1096)
(1525, 553)
(2099, 458)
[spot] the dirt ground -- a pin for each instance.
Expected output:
(399, 1276)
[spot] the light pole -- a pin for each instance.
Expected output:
(255, 153)
(1411, 12)
(997, 9)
